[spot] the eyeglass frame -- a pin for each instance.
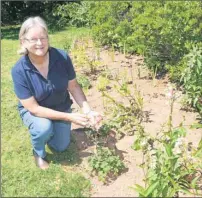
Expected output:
(35, 40)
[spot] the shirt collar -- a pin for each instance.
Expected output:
(52, 59)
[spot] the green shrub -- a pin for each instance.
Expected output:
(175, 71)
(192, 78)
(161, 31)
(110, 25)
(73, 14)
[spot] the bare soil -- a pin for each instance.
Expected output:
(155, 104)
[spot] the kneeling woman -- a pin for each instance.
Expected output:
(43, 78)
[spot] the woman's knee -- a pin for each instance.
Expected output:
(43, 128)
(62, 147)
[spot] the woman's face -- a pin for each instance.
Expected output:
(36, 41)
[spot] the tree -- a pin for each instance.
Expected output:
(15, 12)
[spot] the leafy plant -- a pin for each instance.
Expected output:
(88, 64)
(124, 116)
(169, 163)
(102, 83)
(99, 137)
(79, 55)
(73, 14)
(192, 80)
(106, 164)
(175, 72)
(94, 65)
(83, 81)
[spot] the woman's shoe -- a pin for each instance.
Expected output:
(40, 162)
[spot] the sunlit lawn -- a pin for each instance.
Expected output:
(20, 177)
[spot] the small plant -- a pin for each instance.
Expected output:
(112, 53)
(175, 72)
(94, 60)
(102, 83)
(154, 76)
(106, 164)
(124, 116)
(94, 65)
(99, 137)
(83, 81)
(96, 49)
(79, 56)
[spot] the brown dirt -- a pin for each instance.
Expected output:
(158, 112)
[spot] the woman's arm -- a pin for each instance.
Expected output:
(80, 98)
(32, 106)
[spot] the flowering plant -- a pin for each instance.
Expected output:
(169, 161)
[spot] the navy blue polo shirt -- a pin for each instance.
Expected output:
(51, 92)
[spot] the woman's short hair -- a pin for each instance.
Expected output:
(27, 24)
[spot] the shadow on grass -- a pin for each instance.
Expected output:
(70, 156)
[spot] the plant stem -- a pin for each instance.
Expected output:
(144, 171)
(170, 116)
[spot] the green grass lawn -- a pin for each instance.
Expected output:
(20, 177)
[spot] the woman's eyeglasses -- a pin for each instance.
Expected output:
(35, 40)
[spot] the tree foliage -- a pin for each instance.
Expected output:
(15, 12)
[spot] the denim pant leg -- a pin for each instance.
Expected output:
(61, 138)
(41, 130)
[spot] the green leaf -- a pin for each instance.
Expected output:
(139, 189)
(136, 145)
(196, 126)
(198, 153)
(193, 182)
(151, 188)
(175, 185)
(168, 150)
(198, 63)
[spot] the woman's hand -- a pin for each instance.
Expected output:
(78, 118)
(95, 119)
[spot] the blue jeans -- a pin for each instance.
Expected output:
(55, 133)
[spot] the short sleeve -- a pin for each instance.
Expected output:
(21, 87)
(70, 69)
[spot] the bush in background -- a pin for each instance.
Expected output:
(192, 78)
